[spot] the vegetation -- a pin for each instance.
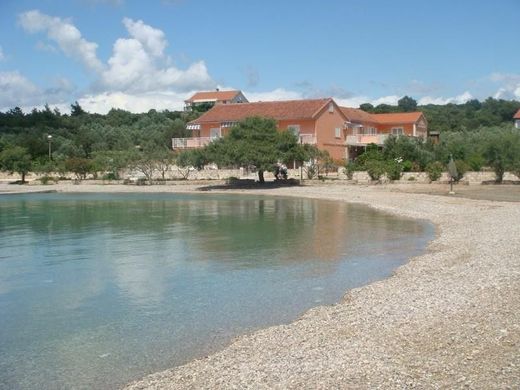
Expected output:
(253, 143)
(84, 143)
(479, 135)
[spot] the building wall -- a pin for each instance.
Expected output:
(517, 123)
(387, 129)
(307, 126)
(326, 123)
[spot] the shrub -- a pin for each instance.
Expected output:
(46, 179)
(462, 168)
(79, 166)
(393, 170)
(434, 170)
(375, 169)
(476, 162)
(350, 167)
(407, 166)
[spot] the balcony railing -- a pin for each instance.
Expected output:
(363, 140)
(307, 139)
(191, 143)
(199, 142)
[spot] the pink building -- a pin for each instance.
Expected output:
(341, 131)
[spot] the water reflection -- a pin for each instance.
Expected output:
(96, 290)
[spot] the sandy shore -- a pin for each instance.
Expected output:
(447, 319)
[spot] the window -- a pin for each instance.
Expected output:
(214, 133)
(397, 131)
(337, 132)
(295, 129)
(331, 107)
(367, 131)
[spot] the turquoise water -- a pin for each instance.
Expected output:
(99, 289)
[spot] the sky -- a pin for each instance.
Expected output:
(142, 55)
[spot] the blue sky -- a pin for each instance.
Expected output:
(139, 55)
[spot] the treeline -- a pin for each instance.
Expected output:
(469, 116)
(81, 140)
(84, 143)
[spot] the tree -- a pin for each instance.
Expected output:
(76, 110)
(79, 166)
(16, 159)
(254, 142)
(367, 107)
(407, 104)
(164, 160)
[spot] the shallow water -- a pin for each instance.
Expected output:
(97, 290)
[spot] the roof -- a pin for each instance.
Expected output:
(517, 115)
(398, 117)
(279, 110)
(213, 96)
(357, 115)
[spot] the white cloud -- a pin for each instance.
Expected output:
(16, 90)
(134, 102)
(153, 40)
(65, 34)
(19, 91)
(137, 65)
(509, 85)
(459, 99)
(356, 101)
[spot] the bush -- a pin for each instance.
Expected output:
(393, 170)
(476, 162)
(375, 169)
(407, 166)
(434, 170)
(46, 179)
(350, 167)
(462, 168)
(110, 176)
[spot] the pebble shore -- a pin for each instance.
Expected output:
(449, 318)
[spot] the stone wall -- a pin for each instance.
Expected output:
(471, 178)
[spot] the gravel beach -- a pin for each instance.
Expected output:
(449, 318)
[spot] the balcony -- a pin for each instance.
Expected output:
(199, 142)
(307, 139)
(191, 143)
(364, 140)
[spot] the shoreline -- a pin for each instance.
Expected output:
(449, 318)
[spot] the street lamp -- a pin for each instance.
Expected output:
(49, 138)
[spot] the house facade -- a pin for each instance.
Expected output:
(214, 97)
(517, 119)
(343, 132)
(363, 128)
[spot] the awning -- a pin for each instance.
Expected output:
(193, 127)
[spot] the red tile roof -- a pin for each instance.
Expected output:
(398, 117)
(279, 110)
(357, 115)
(213, 96)
(517, 115)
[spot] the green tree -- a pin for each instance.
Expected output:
(76, 110)
(407, 104)
(16, 159)
(254, 142)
